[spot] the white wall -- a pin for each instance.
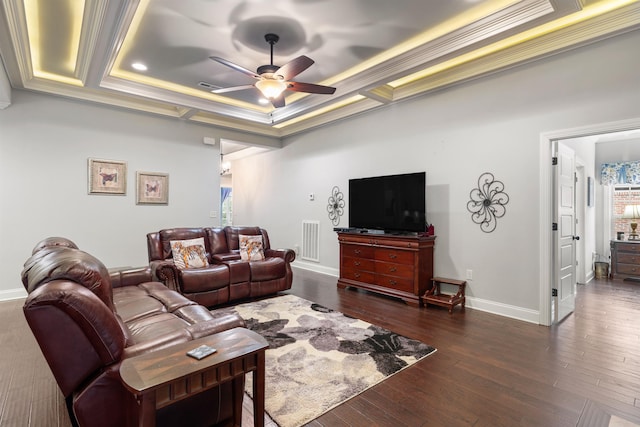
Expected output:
(44, 146)
(491, 124)
(617, 151)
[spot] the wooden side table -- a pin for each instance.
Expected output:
(434, 296)
(166, 376)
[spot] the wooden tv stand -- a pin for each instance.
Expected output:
(396, 265)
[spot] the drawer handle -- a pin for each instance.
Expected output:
(357, 251)
(356, 263)
(393, 256)
(392, 269)
(393, 282)
(357, 275)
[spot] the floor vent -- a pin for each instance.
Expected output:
(310, 240)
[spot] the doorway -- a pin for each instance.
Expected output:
(546, 214)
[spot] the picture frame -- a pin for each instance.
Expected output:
(107, 176)
(152, 188)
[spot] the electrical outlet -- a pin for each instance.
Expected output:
(213, 214)
(469, 274)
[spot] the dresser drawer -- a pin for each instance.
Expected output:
(392, 282)
(395, 256)
(628, 269)
(623, 258)
(360, 264)
(357, 251)
(628, 247)
(359, 276)
(393, 269)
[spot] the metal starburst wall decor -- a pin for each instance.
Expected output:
(487, 202)
(335, 206)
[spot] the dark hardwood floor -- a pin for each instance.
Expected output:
(488, 371)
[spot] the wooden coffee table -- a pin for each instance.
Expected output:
(166, 376)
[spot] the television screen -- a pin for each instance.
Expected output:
(393, 203)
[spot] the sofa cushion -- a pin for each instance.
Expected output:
(133, 303)
(251, 248)
(156, 332)
(204, 279)
(270, 268)
(189, 253)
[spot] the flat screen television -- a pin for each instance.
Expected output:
(392, 203)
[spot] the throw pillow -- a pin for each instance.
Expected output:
(251, 248)
(189, 253)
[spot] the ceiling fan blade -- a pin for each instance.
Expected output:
(294, 67)
(279, 101)
(232, 88)
(310, 88)
(235, 66)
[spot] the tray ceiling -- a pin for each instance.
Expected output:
(374, 52)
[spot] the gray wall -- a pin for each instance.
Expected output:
(493, 124)
(44, 146)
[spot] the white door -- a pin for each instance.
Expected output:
(564, 237)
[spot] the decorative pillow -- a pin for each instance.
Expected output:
(251, 248)
(189, 253)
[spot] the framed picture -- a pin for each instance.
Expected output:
(107, 176)
(152, 188)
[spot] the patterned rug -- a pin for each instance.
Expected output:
(318, 358)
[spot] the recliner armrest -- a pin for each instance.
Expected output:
(166, 272)
(229, 256)
(287, 254)
(130, 276)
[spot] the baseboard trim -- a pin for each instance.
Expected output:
(511, 311)
(329, 271)
(12, 294)
(519, 313)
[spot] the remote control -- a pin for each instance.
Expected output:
(201, 352)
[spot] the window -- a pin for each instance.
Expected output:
(622, 196)
(226, 206)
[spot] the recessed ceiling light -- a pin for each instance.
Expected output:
(139, 66)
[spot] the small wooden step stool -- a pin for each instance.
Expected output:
(434, 296)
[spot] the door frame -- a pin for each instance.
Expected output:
(546, 202)
(581, 213)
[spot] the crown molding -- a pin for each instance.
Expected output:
(17, 28)
(561, 40)
(92, 23)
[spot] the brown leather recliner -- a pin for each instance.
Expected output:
(88, 321)
(227, 278)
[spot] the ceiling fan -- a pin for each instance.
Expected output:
(273, 81)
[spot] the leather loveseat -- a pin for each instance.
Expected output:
(227, 277)
(87, 321)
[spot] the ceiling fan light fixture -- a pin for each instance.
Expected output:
(271, 89)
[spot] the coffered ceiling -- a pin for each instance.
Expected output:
(373, 52)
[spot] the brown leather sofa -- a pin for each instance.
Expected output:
(87, 321)
(227, 278)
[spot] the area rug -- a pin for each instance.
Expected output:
(318, 358)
